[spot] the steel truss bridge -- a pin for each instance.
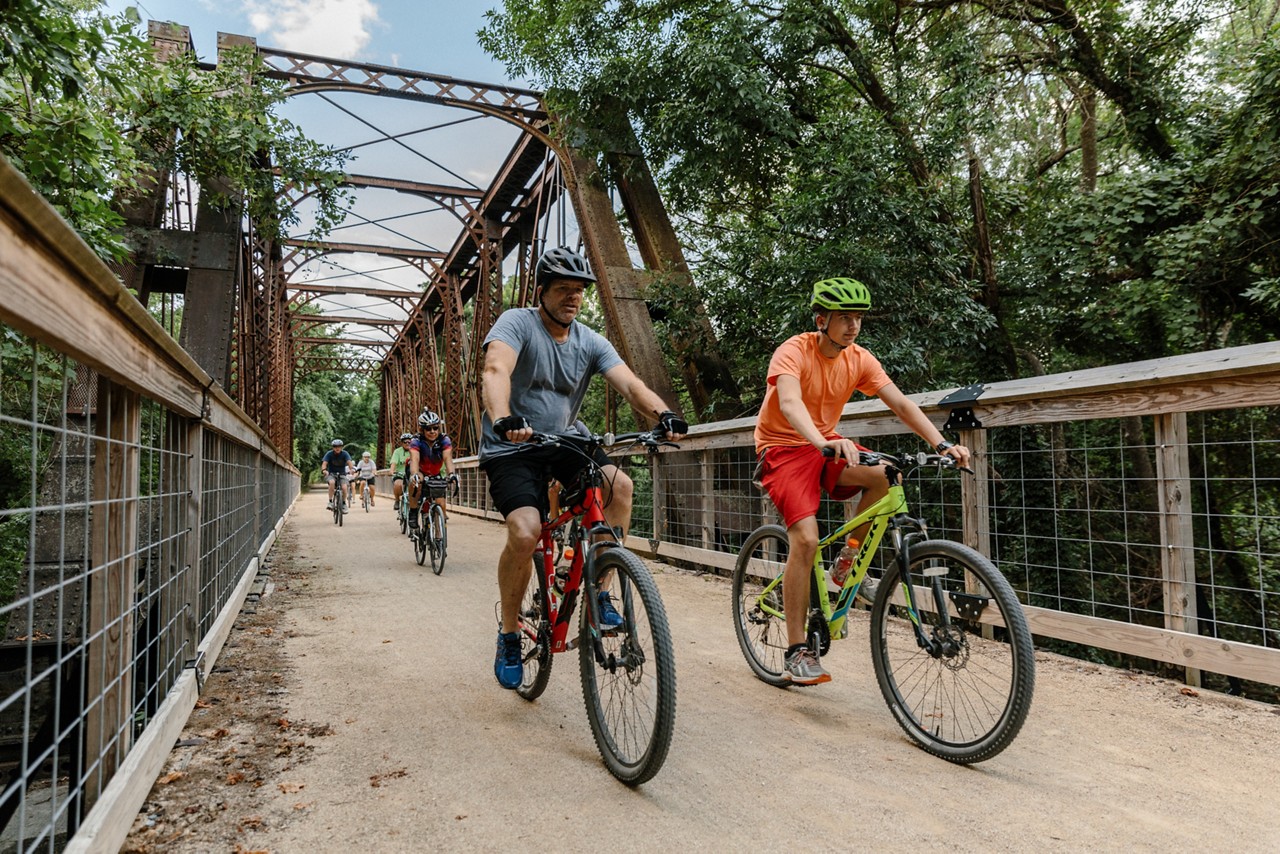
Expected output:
(257, 298)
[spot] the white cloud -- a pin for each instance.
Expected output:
(337, 28)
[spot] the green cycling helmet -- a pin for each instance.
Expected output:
(841, 294)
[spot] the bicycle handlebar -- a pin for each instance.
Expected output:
(651, 439)
(920, 460)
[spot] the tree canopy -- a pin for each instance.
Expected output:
(1026, 185)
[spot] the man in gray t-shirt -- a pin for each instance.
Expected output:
(537, 367)
(550, 377)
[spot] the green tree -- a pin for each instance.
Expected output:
(1099, 169)
(89, 117)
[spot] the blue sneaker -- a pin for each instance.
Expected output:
(609, 616)
(507, 664)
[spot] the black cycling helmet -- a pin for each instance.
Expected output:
(562, 263)
(427, 419)
(841, 294)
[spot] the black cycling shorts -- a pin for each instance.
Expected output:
(520, 479)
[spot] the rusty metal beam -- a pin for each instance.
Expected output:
(301, 320)
(417, 188)
(619, 284)
(380, 293)
(326, 247)
(350, 342)
(307, 73)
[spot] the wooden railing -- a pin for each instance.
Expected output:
(141, 505)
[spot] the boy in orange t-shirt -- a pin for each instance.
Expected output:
(811, 377)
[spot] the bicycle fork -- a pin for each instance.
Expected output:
(943, 640)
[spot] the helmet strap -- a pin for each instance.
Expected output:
(823, 330)
(542, 306)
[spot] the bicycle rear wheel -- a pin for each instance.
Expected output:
(535, 636)
(758, 619)
(965, 702)
(439, 537)
(629, 673)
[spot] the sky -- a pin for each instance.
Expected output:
(433, 144)
(436, 36)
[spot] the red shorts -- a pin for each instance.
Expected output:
(795, 477)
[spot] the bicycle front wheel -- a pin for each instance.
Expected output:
(419, 538)
(435, 530)
(403, 513)
(758, 619)
(535, 635)
(628, 673)
(966, 696)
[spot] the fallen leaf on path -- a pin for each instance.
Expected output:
(170, 777)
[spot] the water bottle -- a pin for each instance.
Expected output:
(844, 562)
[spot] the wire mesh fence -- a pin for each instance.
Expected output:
(124, 530)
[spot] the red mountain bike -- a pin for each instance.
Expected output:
(628, 673)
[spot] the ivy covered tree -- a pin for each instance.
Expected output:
(88, 115)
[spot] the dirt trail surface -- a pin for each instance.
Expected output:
(355, 709)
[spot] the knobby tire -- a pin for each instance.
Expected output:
(762, 635)
(630, 695)
(535, 635)
(967, 705)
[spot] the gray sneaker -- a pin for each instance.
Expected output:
(867, 590)
(802, 668)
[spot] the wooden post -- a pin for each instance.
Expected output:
(975, 500)
(190, 622)
(974, 493)
(112, 570)
(1177, 538)
(655, 479)
(708, 498)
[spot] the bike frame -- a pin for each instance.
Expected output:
(591, 510)
(889, 514)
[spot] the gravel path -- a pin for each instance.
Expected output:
(355, 709)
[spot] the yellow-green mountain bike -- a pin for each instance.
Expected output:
(949, 640)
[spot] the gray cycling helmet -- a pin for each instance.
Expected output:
(562, 263)
(405, 437)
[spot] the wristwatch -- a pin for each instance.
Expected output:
(942, 446)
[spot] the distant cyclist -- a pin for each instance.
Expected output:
(430, 454)
(399, 462)
(538, 365)
(366, 470)
(334, 465)
(811, 377)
